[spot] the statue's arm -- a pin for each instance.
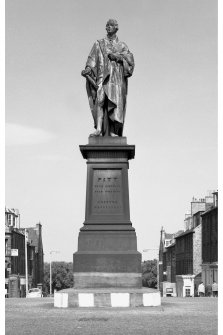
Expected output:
(128, 61)
(125, 57)
(91, 63)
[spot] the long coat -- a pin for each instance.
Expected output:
(110, 76)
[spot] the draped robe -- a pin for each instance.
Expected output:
(111, 78)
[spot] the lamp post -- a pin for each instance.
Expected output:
(158, 273)
(51, 252)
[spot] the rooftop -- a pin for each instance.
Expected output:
(169, 236)
(189, 231)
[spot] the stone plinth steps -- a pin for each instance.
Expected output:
(144, 297)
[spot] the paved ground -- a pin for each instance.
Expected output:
(176, 316)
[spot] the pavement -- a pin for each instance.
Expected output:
(175, 316)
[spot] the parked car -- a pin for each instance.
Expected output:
(34, 293)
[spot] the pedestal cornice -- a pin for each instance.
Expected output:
(107, 147)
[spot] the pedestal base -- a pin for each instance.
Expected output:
(107, 280)
(102, 269)
(144, 297)
(107, 253)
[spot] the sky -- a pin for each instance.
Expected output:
(171, 114)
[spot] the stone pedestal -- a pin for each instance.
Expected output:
(107, 253)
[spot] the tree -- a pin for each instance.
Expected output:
(62, 276)
(149, 273)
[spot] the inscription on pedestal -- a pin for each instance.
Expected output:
(107, 192)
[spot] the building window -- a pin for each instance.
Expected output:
(9, 219)
(167, 242)
(7, 248)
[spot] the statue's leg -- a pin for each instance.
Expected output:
(118, 128)
(100, 117)
(105, 127)
(112, 129)
(109, 126)
(115, 128)
(100, 112)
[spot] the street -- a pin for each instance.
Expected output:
(174, 316)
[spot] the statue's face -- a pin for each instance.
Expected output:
(111, 27)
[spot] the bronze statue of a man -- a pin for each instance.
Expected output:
(108, 67)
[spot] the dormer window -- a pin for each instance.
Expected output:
(167, 243)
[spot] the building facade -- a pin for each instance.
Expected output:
(184, 263)
(165, 241)
(191, 256)
(170, 262)
(15, 274)
(167, 263)
(210, 243)
(35, 239)
(184, 253)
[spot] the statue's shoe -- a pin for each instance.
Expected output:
(96, 133)
(113, 135)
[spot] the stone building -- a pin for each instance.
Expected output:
(210, 243)
(197, 206)
(167, 263)
(189, 248)
(15, 277)
(165, 241)
(12, 217)
(170, 262)
(197, 249)
(190, 256)
(35, 240)
(184, 264)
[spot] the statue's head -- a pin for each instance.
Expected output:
(111, 26)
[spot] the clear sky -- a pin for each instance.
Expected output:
(171, 111)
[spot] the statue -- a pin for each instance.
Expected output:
(108, 67)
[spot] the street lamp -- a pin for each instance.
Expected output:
(158, 273)
(51, 252)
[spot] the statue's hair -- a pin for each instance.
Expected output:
(113, 21)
